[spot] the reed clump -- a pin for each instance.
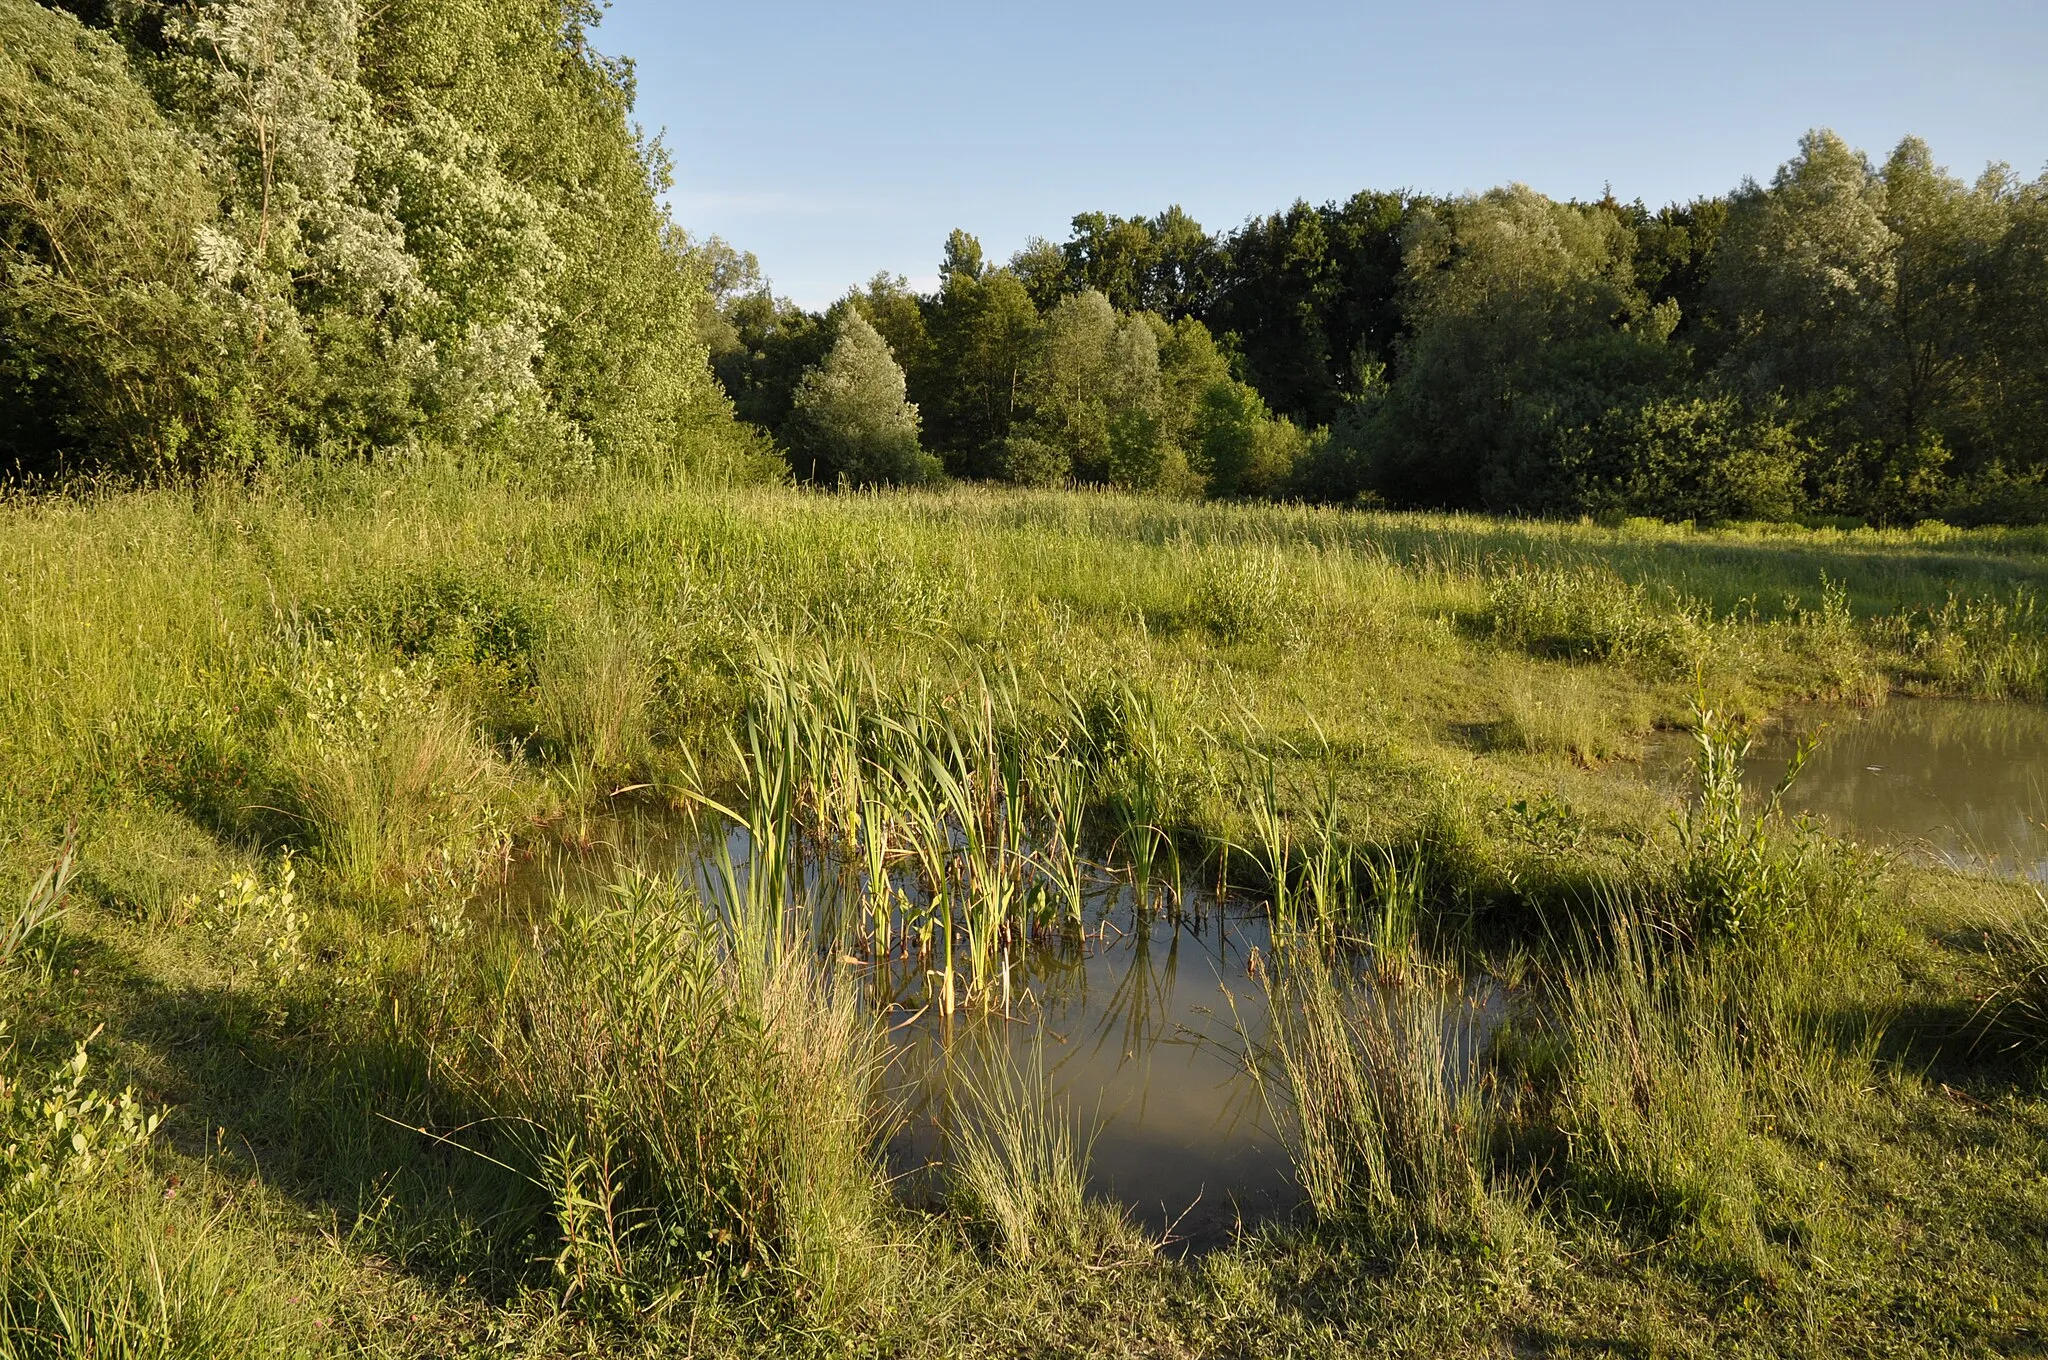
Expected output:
(1018, 1167)
(965, 813)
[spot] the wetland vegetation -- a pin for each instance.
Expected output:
(447, 1057)
(554, 804)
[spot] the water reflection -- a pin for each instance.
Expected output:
(1143, 1029)
(1955, 781)
(1144, 1021)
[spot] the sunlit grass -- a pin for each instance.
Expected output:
(653, 1122)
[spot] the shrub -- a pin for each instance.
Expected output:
(1242, 594)
(1692, 458)
(849, 414)
(1033, 462)
(1736, 874)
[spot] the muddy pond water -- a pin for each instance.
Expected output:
(1145, 1023)
(1956, 782)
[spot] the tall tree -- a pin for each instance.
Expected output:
(1524, 313)
(850, 417)
(111, 351)
(982, 327)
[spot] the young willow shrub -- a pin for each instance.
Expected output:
(55, 1127)
(1742, 870)
(691, 1104)
(1246, 595)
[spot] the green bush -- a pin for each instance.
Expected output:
(1695, 458)
(1033, 462)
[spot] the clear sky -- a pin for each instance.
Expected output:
(838, 139)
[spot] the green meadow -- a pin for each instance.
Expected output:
(288, 1072)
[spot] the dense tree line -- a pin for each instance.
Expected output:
(235, 228)
(230, 228)
(1849, 339)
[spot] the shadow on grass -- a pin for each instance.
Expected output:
(327, 1102)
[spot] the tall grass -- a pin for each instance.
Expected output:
(2014, 1014)
(116, 1268)
(389, 777)
(1018, 1164)
(1383, 1091)
(685, 1101)
(984, 703)
(1655, 1107)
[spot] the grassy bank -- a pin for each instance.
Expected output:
(1766, 1093)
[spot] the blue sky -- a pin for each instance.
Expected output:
(835, 140)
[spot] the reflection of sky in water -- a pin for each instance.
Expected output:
(1141, 1039)
(1143, 1031)
(1143, 1036)
(1957, 781)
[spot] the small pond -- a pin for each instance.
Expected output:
(1956, 782)
(1142, 1023)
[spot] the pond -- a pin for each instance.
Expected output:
(1956, 782)
(1142, 1029)
(1143, 1022)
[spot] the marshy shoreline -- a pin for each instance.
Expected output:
(271, 753)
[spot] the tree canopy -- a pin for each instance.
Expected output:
(1848, 339)
(243, 226)
(232, 230)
